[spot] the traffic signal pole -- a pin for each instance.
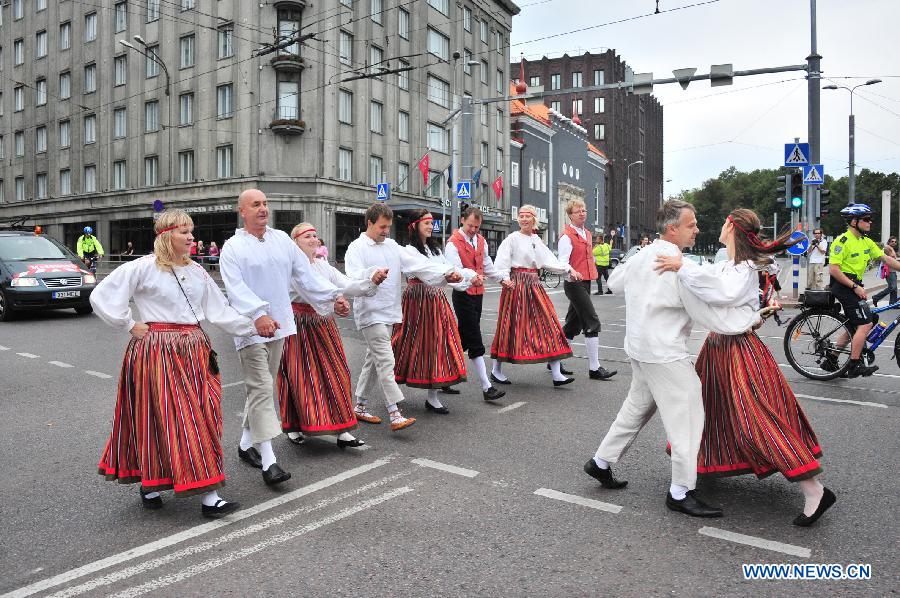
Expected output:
(814, 84)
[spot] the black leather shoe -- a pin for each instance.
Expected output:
(563, 382)
(151, 503)
(356, 442)
(298, 440)
(693, 506)
(562, 370)
(608, 293)
(861, 369)
(275, 475)
(250, 456)
(442, 410)
(449, 390)
(498, 380)
(220, 509)
(492, 394)
(828, 499)
(598, 293)
(604, 476)
(601, 373)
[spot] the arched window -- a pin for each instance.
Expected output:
(544, 178)
(531, 174)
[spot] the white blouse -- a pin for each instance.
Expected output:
(348, 286)
(725, 284)
(440, 258)
(158, 299)
(526, 251)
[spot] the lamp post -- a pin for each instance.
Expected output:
(851, 192)
(628, 203)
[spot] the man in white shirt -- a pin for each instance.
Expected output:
(815, 267)
(258, 265)
(657, 326)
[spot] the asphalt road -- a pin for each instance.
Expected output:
(489, 500)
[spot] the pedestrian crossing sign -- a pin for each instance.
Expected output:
(464, 190)
(813, 174)
(796, 154)
(383, 192)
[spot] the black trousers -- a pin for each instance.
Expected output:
(468, 318)
(581, 317)
(602, 273)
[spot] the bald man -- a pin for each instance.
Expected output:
(258, 265)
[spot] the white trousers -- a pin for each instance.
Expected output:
(674, 389)
(260, 363)
(378, 368)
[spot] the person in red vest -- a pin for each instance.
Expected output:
(575, 248)
(468, 249)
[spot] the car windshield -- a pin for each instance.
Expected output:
(632, 251)
(26, 247)
(721, 255)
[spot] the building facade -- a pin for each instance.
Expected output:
(626, 128)
(186, 113)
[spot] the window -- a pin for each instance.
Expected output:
(90, 179)
(438, 91)
(226, 41)
(288, 100)
(500, 81)
(90, 129)
(19, 145)
(544, 178)
(345, 107)
(18, 99)
(185, 167)
(577, 106)
(499, 120)
(90, 27)
(40, 5)
(40, 95)
(2, 155)
(18, 9)
(534, 82)
(403, 126)
(498, 41)
(599, 132)
(288, 27)
(152, 67)
(376, 113)
(40, 44)
(1, 103)
(65, 137)
(40, 183)
(376, 58)
(438, 138)
(484, 110)
(555, 81)
(20, 188)
(90, 78)
(500, 163)
(120, 174)
(438, 44)
(65, 85)
(467, 18)
(121, 18)
(484, 71)
(576, 79)
(376, 170)
(484, 30)
(223, 101)
(40, 140)
(555, 106)
(187, 4)
(467, 58)
(186, 109)
(441, 6)
(151, 116)
(19, 52)
(348, 3)
(120, 123)
(65, 182)
(599, 105)
(403, 176)
(186, 44)
(484, 154)
(514, 174)
(345, 164)
(151, 170)
(65, 35)
(345, 51)
(403, 23)
(152, 10)
(403, 77)
(598, 77)
(376, 11)
(121, 70)
(223, 161)
(436, 184)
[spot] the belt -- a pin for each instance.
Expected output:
(532, 270)
(302, 308)
(171, 327)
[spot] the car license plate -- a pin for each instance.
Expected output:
(66, 294)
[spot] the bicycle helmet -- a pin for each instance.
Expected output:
(89, 231)
(856, 210)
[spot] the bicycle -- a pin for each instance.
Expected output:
(551, 280)
(814, 338)
(90, 262)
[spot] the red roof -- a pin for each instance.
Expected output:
(593, 149)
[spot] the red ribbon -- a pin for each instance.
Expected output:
(168, 229)
(303, 231)
(425, 217)
(753, 238)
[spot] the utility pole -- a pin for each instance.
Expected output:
(814, 83)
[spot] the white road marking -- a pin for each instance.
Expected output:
(28, 355)
(189, 534)
(230, 384)
(863, 403)
(722, 534)
(578, 500)
(2, 348)
(60, 364)
(97, 374)
(787, 366)
(469, 473)
(236, 555)
(511, 407)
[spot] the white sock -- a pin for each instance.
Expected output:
(246, 439)
(151, 495)
(211, 498)
(393, 407)
(481, 368)
(433, 399)
(601, 463)
(267, 454)
(813, 490)
(495, 370)
(592, 344)
(554, 369)
(677, 491)
(346, 436)
(294, 435)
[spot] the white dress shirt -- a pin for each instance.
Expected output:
(452, 255)
(519, 250)
(564, 246)
(659, 309)
(347, 286)
(158, 299)
(258, 276)
(364, 256)
(725, 284)
(817, 257)
(440, 258)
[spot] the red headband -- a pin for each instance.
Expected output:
(425, 217)
(169, 228)
(303, 231)
(753, 238)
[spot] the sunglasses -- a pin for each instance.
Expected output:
(866, 219)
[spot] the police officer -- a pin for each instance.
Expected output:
(88, 246)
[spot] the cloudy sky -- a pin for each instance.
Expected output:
(707, 130)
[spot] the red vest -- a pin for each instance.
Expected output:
(582, 258)
(471, 257)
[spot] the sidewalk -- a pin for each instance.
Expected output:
(872, 283)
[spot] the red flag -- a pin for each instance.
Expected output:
(423, 168)
(497, 186)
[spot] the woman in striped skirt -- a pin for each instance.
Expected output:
(167, 426)
(427, 347)
(528, 329)
(754, 423)
(313, 382)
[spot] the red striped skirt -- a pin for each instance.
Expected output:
(167, 425)
(313, 382)
(528, 329)
(427, 349)
(753, 421)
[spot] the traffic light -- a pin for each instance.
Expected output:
(823, 202)
(796, 196)
(785, 188)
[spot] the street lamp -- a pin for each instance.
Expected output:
(661, 190)
(851, 192)
(628, 203)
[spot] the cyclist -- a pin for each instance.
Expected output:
(848, 259)
(88, 247)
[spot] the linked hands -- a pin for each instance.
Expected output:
(266, 326)
(139, 330)
(380, 275)
(453, 277)
(341, 307)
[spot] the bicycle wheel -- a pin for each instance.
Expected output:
(551, 280)
(811, 344)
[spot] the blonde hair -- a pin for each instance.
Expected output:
(572, 204)
(530, 209)
(162, 245)
(296, 230)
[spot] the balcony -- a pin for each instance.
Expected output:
(286, 61)
(290, 4)
(286, 121)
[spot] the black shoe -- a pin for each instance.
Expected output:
(830, 363)
(859, 368)
(449, 390)
(492, 394)
(691, 505)
(275, 475)
(220, 509)
(562, 370)
(608, 293)
(875, 302)
(604, 476)
(298, 440)
(828, 499)
(599, 293)
(151, 503)
(498, 380)
(442, 410)
(563, 382)
(250, 456)
(601, 373)
(356, 442)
